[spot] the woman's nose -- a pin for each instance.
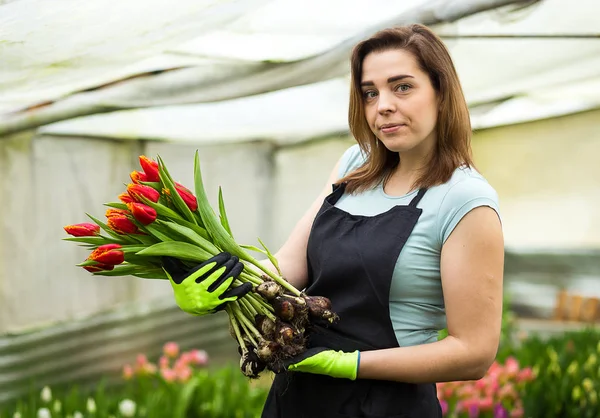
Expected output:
(386, 104)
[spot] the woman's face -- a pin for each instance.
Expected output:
(400, 103)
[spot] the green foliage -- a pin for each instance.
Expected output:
(567, 375)
(220, 393)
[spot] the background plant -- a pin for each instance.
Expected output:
(567, 374)
(177, 385)
(497, 394)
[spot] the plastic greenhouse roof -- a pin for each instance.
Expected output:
(234, 70)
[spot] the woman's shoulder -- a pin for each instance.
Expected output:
(466, 190)
(465, 184)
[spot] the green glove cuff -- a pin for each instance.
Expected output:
(331, 363)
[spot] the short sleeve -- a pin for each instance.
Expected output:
(462, 198)
(352, 158)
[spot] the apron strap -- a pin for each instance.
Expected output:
(413, 203)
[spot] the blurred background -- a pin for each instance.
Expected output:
(260, 88)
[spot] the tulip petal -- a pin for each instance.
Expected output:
(144, 214)
(83, 230)
(150, 168)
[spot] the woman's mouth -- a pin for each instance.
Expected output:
(391, 127)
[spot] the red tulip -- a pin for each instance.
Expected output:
(83, 230)
(108, 254)
(125, 198)
(137, 177)
(187, 196)
(138, 190)
(121, 224)
(150, 168)
(99, 267)
(115, 212)
(144, 214)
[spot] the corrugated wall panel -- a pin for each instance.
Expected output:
(87, 349)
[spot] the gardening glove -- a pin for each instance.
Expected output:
(207, 287)
(320, 360)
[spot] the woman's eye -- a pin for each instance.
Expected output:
(369, 94)
(403, 88)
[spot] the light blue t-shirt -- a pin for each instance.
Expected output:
(416, 299)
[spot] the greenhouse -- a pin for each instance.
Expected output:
(260, 89)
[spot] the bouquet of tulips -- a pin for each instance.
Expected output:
(158, 217)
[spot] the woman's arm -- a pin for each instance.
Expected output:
(292, 255)
(471, 266)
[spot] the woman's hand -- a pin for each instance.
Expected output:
(320, 360)
(207, 287)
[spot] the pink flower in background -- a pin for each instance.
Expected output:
(184, 374)
(486, 404)
(171, 349)
(500, 411)
(164, 362)
(182, 364)
(508, 391)
(141, 360)
(168, 375)
(497, 394)
(444, 406)
(481, 384)
(511, 367)
(473, 411)
(184, 359)
(198, 357)
(492, 387)
(525, 375)
(148, 368)
(127, 372)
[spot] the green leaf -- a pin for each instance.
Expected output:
(196, 228)
(132, 249)
(145, 239)
(96, 241)
(152, 274)
(223, 213)
(220, 237)
(253, 248)
(272, 258)
(122, 270)
(156, 185)
(177, 249)
(157, 232)
(191, 235)
(185, 398)
(148, 262)
(117, 205)
(87, 263)
(161, 210)
(175, 198)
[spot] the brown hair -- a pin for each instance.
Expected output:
(453, 128)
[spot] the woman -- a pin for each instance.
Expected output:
(408, 241)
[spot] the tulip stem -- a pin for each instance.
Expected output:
(277, 279)
(248, 306)
(234, 323)
(247, 324)
(250, 278)
(262, 307)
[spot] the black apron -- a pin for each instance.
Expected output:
(351, 259)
